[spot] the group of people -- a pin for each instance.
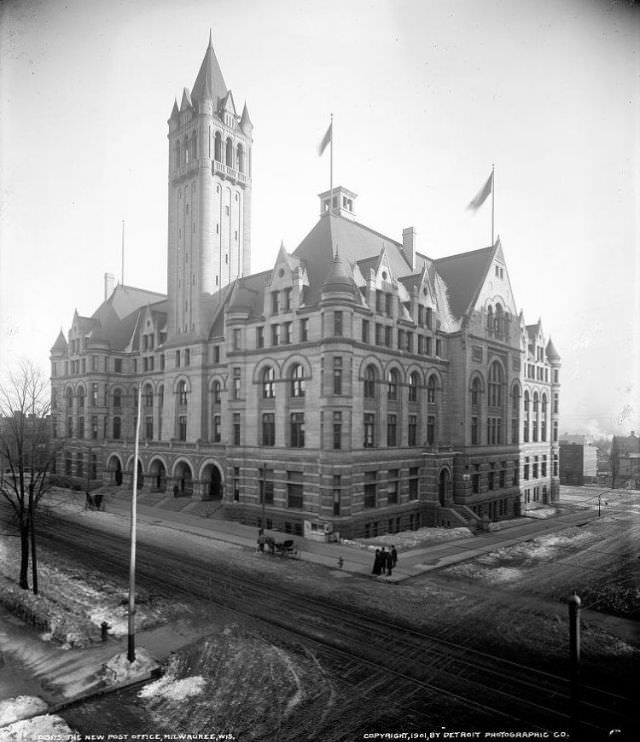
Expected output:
(384, 561)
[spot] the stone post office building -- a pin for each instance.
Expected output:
(358, 387)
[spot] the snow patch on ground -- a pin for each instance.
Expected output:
(37, 728)
(14, 709)
(541, 513)
(171, 688)
(119, 670)
(497, 566)
(411, 539)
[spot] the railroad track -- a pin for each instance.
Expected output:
(485, 690)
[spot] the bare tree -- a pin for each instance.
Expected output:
(26, 455)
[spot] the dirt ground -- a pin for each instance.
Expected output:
(236, 679)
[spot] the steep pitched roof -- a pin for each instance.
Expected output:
(60, 343)
(209, 81)
(249, 294)
(117, 316)
(464, 275)
(352, 240)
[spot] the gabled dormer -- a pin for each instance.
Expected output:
(228, 112)
(285, 291)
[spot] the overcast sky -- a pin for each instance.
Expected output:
(426, 95)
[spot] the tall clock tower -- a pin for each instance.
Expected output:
(209, 239)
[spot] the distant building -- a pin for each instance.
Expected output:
(358, 386)
(625, 461)
(578, 461)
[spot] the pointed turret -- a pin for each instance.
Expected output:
(552, 353)
(338, 280)
(60, 346)
(245, 121)
(186, 100)
(209, 82)
(175, 111)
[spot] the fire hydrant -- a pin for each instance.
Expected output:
(104, 631)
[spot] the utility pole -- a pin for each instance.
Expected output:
(574, 653)
(131, 647)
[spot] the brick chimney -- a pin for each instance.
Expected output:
(409, 245)
(109, 283)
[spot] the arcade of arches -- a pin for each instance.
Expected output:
(182, 484)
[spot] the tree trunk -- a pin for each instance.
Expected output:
(34, 563)
(24, 556)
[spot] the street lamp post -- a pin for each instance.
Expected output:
(131, 649)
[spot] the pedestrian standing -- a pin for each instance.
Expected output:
(377, 563)
(394, 556)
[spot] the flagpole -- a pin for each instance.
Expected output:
(331, 168)
(493, 198)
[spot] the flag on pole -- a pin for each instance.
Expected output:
(325, 139)
(483, 194)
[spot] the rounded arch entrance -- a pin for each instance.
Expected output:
(158, 474)
(183, 478)
(444, 487)
(212, 482)
(114, 467)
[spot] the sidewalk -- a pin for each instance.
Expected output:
(358, 560)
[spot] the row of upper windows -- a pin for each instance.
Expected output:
(384, 305)
(186, 151)
(537, 373)
(282, 334)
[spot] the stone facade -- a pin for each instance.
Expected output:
(358, 387)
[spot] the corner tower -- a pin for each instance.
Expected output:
(209, 196)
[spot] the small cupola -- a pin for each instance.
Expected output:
(338, 202)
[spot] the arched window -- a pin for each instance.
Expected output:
(268, 383)
(515, 413)
(392, 385)
(297, 381)
(69, 399)
(81, 397)
(543, 427)
(414, 381)
(476, 390)
(536, 417)
(148, 395)
(431, 389)
(182, 394)
(495, 385)
(117, 398)
(526, 417)
(240, 158)
(217, 147)
(229, 153)
(370, 382)
(490, 320)
(187, 152)
(499, 321)
(217, 392)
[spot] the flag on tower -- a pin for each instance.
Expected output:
(325, 139)
(483, 194)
